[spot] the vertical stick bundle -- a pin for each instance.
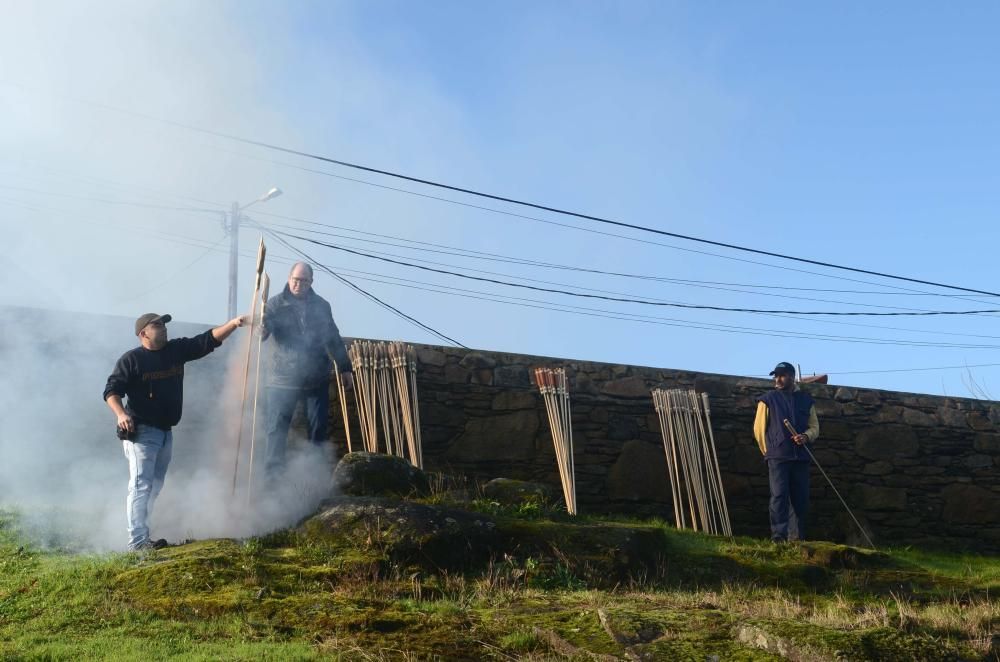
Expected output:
(692, 464)
(552, 385)
(385, 383)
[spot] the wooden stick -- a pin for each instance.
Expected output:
(265, 287)
(412, 356)
(261, 251)
(343, 405)
(727, 525)
(659, 403)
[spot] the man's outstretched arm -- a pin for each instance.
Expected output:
(220, 333)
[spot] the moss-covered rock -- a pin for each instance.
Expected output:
(512, 492)
(407, 532)
(373, 474)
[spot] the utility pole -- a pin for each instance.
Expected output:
(234, 250)
(234, 243)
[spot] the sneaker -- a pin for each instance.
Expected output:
(151, 544)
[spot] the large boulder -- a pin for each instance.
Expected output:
(407, 532)
(372, 474)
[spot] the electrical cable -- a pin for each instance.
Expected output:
(517, 202)
(363, 292)
(633, 300)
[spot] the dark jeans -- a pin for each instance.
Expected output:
(281, 403)
(789, 485)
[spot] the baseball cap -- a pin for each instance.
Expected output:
(784, 366)
(150, 317)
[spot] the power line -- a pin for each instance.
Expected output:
(607, 314)
(540, 207)
(457, 251)
(944, 367)
(365, 293)
(581, 229)
(648, 319)
(647, 302)
(694, 283)
(547, 282)
(522, 203)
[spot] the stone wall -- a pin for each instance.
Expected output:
(916, 469)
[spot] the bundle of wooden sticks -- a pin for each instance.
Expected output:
(552, 385)
(385, 386)
(692, 463)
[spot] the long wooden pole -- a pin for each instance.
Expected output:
(411, 355)
(659, 403)
(261, 252)
(343, 405)
(265, 287)
(727, 524)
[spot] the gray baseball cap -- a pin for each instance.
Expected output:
(143, 320)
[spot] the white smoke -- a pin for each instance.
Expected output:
(62, 466)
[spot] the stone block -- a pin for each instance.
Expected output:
(952, 417)
(622, 427)
(482, 376)
(970, 504)
(979, 421)
(888, 414)
(453, 374)
(508, 400)
(512, 376)
(881, 498)
(628, 387)
(843, 394)
(500, 438)
(834, 429)
(986, 442)
(978, 461)
(918, 418)
(870, 398)
(477, 360)
(639, 474)
(886, 442)
(880, 468)
(428, 356)
(828, 409)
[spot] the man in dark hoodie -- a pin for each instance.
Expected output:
(787, 460)
(306, 348)
(151, 379)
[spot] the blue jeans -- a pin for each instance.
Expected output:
(148, 458)
(281, 404)
(789, 486)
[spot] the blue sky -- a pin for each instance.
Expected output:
(855, 134)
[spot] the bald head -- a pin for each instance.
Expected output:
(300, 279)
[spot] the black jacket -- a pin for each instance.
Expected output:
(153, 381)
(303, 338)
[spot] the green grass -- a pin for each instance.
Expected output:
(313, 594)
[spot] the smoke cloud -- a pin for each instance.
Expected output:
(63, 467)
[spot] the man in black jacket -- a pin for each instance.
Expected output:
(151, 378)
(306, 347)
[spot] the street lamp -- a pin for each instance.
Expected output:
(234, 243)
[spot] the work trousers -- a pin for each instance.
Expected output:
(148, 457)
(789, 486)
(281, 403)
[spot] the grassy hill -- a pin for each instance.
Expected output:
(372, 583)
